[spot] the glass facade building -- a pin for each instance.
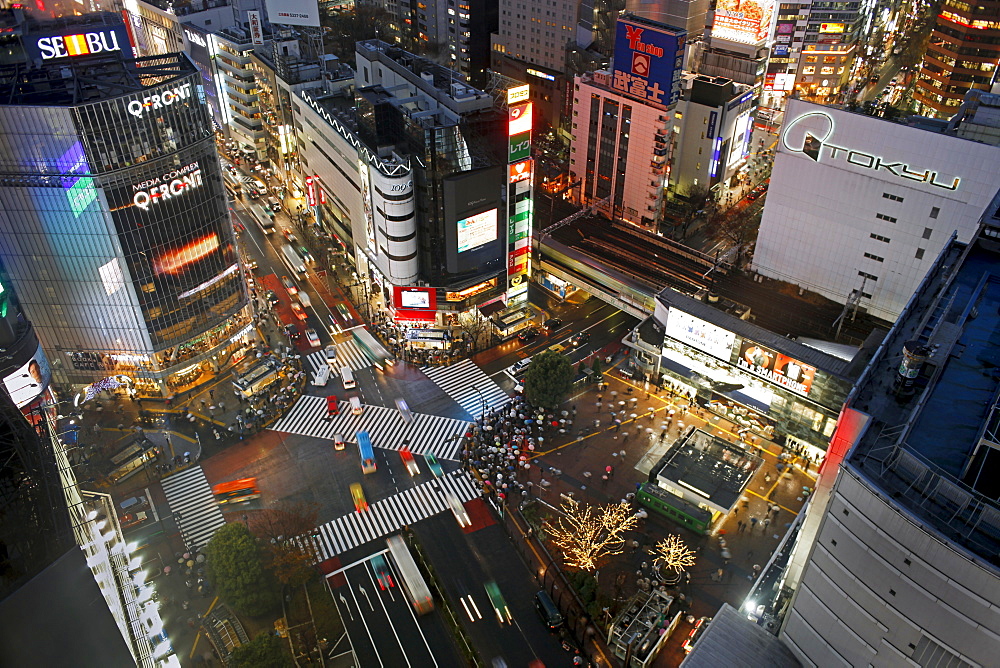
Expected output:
(115, 223)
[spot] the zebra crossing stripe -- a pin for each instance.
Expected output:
(193, 506)
(466, 383)
(432, 434)
(389, 515)
(348, 354)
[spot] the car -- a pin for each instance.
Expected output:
(580, 339)
(699, 628)
(252, 265)
(272, 297)
(553, 324)
(458, 510)
(332, 406)
(290, 236)
(298, 311)
(498, 603)
(133, 504)
(409, 462)
(312, 337)
(339, 442)
(434, 465)
(331, 356)
(518, 368)
(529, 334)
(290, 285)
(132, 519)
(382, 572)
(306, 255)
(358, 494)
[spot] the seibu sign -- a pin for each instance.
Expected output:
(171, 184)
(72, 45)
(159, 100)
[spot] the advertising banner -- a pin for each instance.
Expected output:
(415, 298)
(648, 60)
(293, 12)
(743, 21)
(700, 334)
(76, 42)
(256, 27)
(775, 367)
(28, 382)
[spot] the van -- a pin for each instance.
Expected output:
(347, 377)
(548, 611)
(321, 377)
(133, 504)
(274, 203)
(356, 407)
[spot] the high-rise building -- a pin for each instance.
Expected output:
(962, 55)
(908, 190)
(114, 219)
(622, 122)
(691, 15)
(897, 556)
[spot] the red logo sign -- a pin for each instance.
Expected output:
(640, 64)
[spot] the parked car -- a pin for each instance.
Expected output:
(132, 519)
(529, 334)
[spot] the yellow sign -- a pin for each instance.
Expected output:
(831, 28)
(518, 94)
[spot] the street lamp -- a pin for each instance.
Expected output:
(482, 400)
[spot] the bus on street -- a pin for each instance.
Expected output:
(366, 452)
(409, 576)
(293, 261)
(237, 491)
(370, 345)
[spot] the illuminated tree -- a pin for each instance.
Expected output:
(588, 534)
(673, 554)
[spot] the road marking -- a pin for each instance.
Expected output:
(343, 600)
(391, 625)
(367, 630)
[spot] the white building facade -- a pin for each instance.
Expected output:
(859, 207)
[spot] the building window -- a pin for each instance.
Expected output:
(879, 237)
(919, 255)
(874, 257)
(809, 69)
(882, 216)
(928, 232)
(894, 198)
(935, 211)
(868, 276)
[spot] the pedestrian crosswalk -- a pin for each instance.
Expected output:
(387, 516)
(466, 383)
(194, 508)
(348, 354)
(432, 434)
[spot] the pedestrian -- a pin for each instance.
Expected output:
(753, 523)
(767, 477)
(756, 569)
(739, 525)
(203, 404)
(764, 523)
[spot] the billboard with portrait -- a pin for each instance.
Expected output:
(699, 334)
(648, 60)
(775, 367)
(743, 21)
(29, 381)
(473, 224)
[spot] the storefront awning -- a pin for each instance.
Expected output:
(493, 307)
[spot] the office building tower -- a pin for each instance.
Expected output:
(114, 219)
(860, 207)
(622, 121)
(691, 15)
(962, 55)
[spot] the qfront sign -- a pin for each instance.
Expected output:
(91, 42)
(138, 108)
(812, 132)
(171, 184)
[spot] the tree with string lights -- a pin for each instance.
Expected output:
(586, 535)
(673, 555)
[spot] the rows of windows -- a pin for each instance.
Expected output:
(882, 216)
(879, 237)
(894, 198)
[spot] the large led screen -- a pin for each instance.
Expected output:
(775, 367)
(699, 334)
(173, 225)
(30, 380)
(743, 21)
(477, 231)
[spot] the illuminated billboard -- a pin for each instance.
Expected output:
(77, 42)
(743, 21)
(700, 334)
(740, 144)
(414, 298)
(293, 12)
(519, 119)
(779, 369)
(477, 231)
(30, 380)
(648, 60)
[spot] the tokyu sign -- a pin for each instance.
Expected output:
(92, 42)
(138, 108)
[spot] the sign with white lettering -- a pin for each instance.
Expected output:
(256, 27)
(171, 184)
(293, 12)
(158, 100)
(75, 43)
(648, 60)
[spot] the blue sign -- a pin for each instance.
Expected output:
(781, 49)
(649, 58)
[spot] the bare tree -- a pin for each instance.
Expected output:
(587, 535)
(736, 227)
(476, 327)
(285, 532)
(672, 554)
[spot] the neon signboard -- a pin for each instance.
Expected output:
(171, 184)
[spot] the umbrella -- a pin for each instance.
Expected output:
(200, 558)
(621, 403)
(632, 415)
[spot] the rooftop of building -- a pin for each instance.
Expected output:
(733, 640)
(709, 466)
(92, 79)
(921, 444)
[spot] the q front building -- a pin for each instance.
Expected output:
(114, 225)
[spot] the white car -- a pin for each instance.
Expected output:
(457, 509)
(312, 337)
(331, 356)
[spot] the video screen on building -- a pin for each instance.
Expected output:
(414, 300)
(776, 367)
(472, 218)
(30, 380)
(476, 231)
(700, 334)
(174, 229)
